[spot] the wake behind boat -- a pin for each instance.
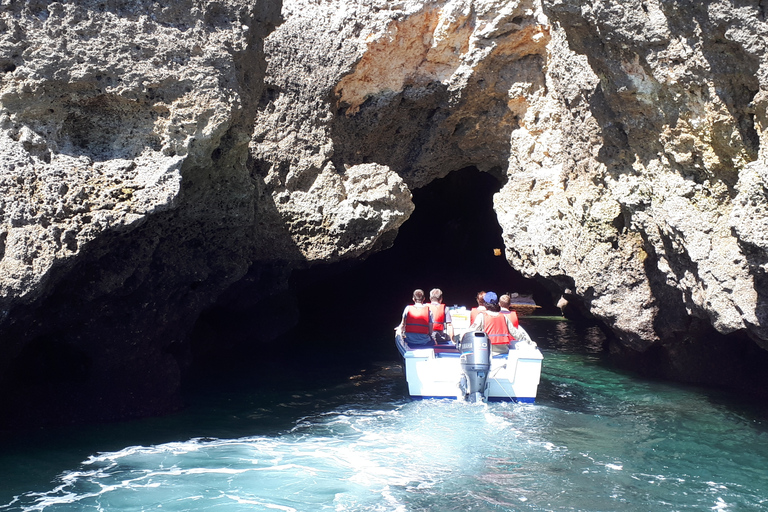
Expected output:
(465, 368)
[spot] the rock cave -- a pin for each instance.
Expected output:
(171, 172)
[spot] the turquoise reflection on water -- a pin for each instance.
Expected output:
(597, 439)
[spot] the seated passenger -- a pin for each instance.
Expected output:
(504, 302)
(416, 325)
(442, 330)
(480, 307)
(499, 328)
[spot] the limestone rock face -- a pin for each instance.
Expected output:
(630, 136)
(636, 180)
(652, 181)
(129, 202)
(122, 156)
(156, 157)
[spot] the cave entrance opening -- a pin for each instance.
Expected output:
(447, 243)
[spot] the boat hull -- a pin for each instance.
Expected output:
(435, 372)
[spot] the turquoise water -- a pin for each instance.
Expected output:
(596, 440)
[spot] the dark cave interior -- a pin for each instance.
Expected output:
(345, 313)
(447, 243)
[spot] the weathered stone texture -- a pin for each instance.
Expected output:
(629, 134)
(674, 104)
(129, 200)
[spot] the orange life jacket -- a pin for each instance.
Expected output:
(417, 320)
(513, 317)
(438, 316)
(496, 329)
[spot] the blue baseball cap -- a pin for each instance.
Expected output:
(491, 298)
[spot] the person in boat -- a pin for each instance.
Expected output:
(442, 329)
(480, 306)
(416, 325)
(499, 327)
(504, 302)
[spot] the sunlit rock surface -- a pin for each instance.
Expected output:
(635, 178)
(154, 158)
(628, 134)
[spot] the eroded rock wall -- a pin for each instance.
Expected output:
(649, 206)
(129, 204)
(629, 134)
(122, 185)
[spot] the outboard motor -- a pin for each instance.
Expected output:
(475, 348)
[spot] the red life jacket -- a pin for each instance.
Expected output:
(496, 329)
(473, 313)
(417, 320)
(513, 317)
(438, 316)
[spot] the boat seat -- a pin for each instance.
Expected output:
(416, 346)
(446, 351)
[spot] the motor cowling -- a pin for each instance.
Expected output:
(475, 348)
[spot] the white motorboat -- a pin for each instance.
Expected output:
(466, 369)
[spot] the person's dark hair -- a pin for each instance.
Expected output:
(418, 296)
(479, 298)
(492, 307)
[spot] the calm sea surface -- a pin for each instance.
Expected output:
(350, 440)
